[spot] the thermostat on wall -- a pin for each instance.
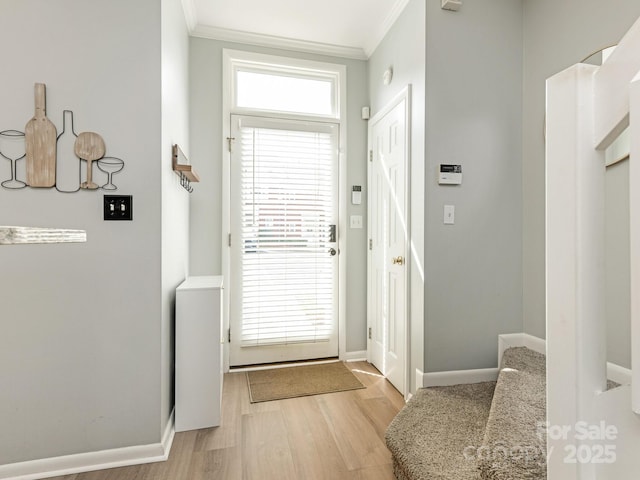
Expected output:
(356, 194)
(450, 174)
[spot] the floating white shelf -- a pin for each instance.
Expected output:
(29, 235)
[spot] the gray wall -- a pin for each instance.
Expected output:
(85, 348)
(403, 48)
(206, 147)
(556, 36)
(474, 118)
(175, 199)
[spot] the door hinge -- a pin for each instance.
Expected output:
(369, 333)
(228, 335)
(230, 140)
(229, 240)
(371, 155)
(371, 244)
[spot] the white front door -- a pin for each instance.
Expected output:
(388, 225)
(284, 250)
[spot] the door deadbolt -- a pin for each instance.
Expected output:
(332, 251)
(332, 234)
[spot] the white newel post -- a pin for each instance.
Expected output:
(634, 208)
(576, 338)
(587, 109)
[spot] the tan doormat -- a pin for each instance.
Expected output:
(290, 382)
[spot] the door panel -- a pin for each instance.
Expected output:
(284, 261)
(388, 235)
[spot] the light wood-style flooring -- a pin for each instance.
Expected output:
(337, 436)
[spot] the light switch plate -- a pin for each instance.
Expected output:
(449, 214)
(356, 221)
(118, 207)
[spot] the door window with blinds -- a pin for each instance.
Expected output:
(284, 251)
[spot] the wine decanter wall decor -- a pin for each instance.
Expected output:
(55, 159)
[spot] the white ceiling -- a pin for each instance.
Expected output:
(347, 28)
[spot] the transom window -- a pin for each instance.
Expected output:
(264, 83)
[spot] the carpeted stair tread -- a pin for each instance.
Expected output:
(514, 446)
(429, 436)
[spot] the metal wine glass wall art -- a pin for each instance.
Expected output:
(53, 159)
(12, 149)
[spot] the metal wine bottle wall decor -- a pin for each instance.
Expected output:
(55, 160)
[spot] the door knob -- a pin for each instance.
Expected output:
(398, 260)
(332, 251)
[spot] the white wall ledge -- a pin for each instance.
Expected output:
(31, 235)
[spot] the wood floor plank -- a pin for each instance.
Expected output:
(376, 384)
(177, 466)
(315, 453)
(224, 463)
(265, 447)
(136, 472)
(359, 443)
(381, 472)
(379, 411)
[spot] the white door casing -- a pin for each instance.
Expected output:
(339, 115)
(388, 277)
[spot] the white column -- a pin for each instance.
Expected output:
(576, 338)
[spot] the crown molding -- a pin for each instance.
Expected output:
(237, 36)
(378, 36)
(190, 14)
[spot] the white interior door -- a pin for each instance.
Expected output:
(387, 283)
(284, 250)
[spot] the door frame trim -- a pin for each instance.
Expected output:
(228, 55)
(403, 95)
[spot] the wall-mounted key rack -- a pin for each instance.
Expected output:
(183, 169)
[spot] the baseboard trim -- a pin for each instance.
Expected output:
(615, 372)
(91, 461)
(510, 340)
(168, 435)
(456, 377)
(419, 378)
(358, 356)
